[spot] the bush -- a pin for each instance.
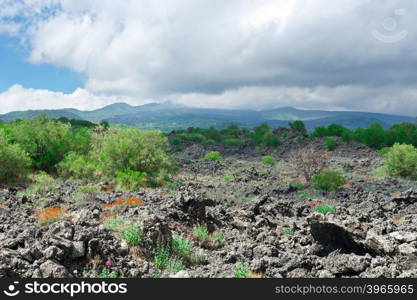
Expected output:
(15, 163)
(131, 180)
(384, 151)
(325, 209)
(132, 235)
(46, 141)
(270, 140)
(232, 142)
(309, 161)
(401, 161)
(181, 246)
(298, 126)
(78, 166)
(328, 180)
(330, 144)
(213, 156)
(242, 271)
(134, 150)
(268, 160)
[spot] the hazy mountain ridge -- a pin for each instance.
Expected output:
(168, 116)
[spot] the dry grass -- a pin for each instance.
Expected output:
(49, 215)
(126, 202)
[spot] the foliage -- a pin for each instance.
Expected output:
(163, 260)
(401, 161)
(242, 271)
(132, 235)
(43, 184)
(330, 144)
(298, 126)
(46, 141)
(269, 160)
(78, 166)
(213, 156)
(131, 180)
(134, 150)
(181, 246)
(201, 233)
(218, 238)
(114, 223)
(15, 163)
(232, 142)
(325, 209)
(328, 180)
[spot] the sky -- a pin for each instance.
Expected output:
(248, 54)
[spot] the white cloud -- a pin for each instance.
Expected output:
(20, 98)
(235, 53)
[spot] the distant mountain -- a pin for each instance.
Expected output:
(169, 116)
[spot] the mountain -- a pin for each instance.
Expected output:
(169, 116)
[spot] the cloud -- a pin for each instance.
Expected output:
(20, 98)
(215, 49)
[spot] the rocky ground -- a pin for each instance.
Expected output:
(262, 222)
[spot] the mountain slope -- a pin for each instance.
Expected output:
(168, 116)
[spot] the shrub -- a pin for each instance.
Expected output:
(384, 151)
(85, 194)
(325, 209)
(309, 161)
(181, 246)
(131, 180)
(328, 180)
(114, 223)
(135, 150)
(77, 166)
(43, 184)
(163, 260)
(105, 273)
(298, 126)
(15, 163)
(242, 271)
(201, 233)
(268, 160)
(218, 238)
(270, 140)
(330, 143)
(132, 235)
(213, 156)
(401, 161)
(46, 141)
(232, 142)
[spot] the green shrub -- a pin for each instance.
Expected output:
(15, 163)
(384, 151)
(401, 161)
(330, 144)
(131, 180)
(132, 235)
(270, 140)
(105, 273)
(46, 141)
(298, 126)
(77, 166)
(85, 194)
(163, 261)
(114, 223)
(135, 150)
(325, 209)
(181, 246)
(213, 156)
(328, 180)
(232, 142)
(242, 271)
(201, 233)
(269, 160)
(218, 238)
(43, 184)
